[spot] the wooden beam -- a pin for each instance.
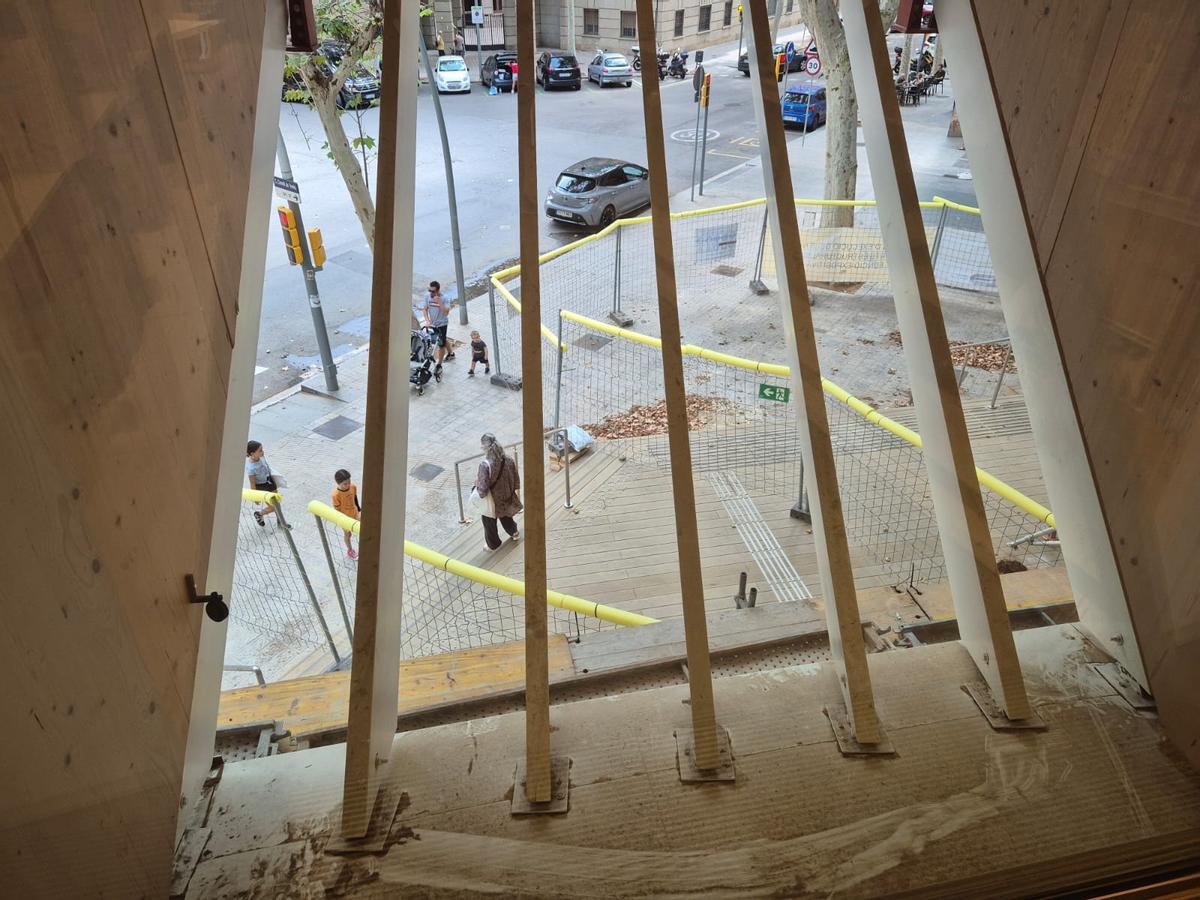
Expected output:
(206, 691)
(376, 662)
(829, 527)
(537, 676)
(1086, 545)
(962, 521)
(704, 719)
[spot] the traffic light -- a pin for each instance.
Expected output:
(704, 89)
(739, 12)
(291, 237)
(780, 66)
(316, 246)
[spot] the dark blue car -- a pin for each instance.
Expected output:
(804, 106)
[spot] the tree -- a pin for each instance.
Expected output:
(841, 139)
(356, 25)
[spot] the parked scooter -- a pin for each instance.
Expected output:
(637, 59)
(664, 62)
(678, 64)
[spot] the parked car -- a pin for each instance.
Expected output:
(498, 70)
(804, 106)
(595, 191)
(610, 68)
(795, 65)
(362, 88)
(450, 76)
(557, 69)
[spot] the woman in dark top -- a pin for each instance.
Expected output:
(498, 478)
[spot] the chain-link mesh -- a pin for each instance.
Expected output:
(613, 386)
(270, 603)
(445, 612)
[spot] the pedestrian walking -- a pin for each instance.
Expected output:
(433, 312)
(460, 45)
(441, 45)
(497, 483)
(478, 355)
(261, 478)
(345, 501)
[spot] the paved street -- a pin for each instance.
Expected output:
(571, 125)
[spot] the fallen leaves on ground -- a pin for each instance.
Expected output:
(644, 420)
(989, 357)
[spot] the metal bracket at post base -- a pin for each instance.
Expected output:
(759, 287)
(801, 512)
(214, 603)
(619, 318)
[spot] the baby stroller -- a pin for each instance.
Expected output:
(421, 361)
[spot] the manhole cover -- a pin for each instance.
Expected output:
(426, 472)
(728, 271)
(591, 341)
(337, 428)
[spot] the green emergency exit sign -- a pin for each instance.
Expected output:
(771, 392)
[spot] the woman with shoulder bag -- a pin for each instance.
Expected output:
(497, 484)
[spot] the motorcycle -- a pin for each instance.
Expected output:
(678, 64)
(637, 59)
(663, 65)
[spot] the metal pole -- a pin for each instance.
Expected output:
(495, 357)
(462, 513)
(478, 53)
(695, 148)
(1003, 370)
(337, 585)
(310, 274)
(566, 463)
(617, 275)
(558, 384)
(937, 237)
(801, 510)
(449, 166)
(756, 283)
(704, 147)
(741, 30)
(312, 595)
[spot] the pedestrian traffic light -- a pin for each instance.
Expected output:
(780, 66)
(316, 246)
(739, 12)
(291, 236)
(704, 89)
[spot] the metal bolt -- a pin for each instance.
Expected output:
(1118, 639)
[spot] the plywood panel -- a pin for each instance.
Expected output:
(1120, 271)
(114, 354)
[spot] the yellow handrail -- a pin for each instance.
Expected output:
(260, 496)
(989, 481)
(486, 576)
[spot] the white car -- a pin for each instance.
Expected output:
(451, 75)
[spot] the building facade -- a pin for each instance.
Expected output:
(599, 24)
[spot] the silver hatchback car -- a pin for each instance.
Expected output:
(595, 191)
(610, 68)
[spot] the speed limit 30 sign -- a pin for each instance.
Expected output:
(812, 66)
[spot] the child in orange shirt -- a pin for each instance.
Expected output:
(345, 501)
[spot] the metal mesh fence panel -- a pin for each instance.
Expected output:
(444, 612)
(270, 600)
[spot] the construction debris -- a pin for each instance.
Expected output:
(989, 357)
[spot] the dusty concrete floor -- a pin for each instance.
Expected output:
(958, 801)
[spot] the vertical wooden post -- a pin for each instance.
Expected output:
(537, 666)
(962, 522)
(1086, 544)
(829, 528)
(375, 667)
(695, 626)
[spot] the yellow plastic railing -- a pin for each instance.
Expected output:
(260, 496)
(989, 481)
(486, 576)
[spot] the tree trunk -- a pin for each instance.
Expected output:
(906, 59)
(938, 54)
(841, 139)
(325, 103)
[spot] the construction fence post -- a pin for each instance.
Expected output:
(756, 283)
(333, 576)
(312, 595)
(937, 236)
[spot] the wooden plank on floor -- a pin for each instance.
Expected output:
(664, 641)
(307, 706)
(1036, 587)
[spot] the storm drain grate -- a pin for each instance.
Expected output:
(426, 472)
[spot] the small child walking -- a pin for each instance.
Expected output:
(478, 355)
(345, 501)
